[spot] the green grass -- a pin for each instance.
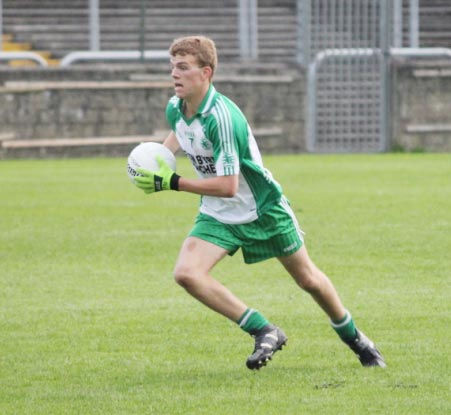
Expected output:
(92, 323)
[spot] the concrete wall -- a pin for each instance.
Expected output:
(131, 103)
(422, 106)
(134, 105)
(84, 109)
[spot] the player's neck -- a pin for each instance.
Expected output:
(189, 109)
(191, 105)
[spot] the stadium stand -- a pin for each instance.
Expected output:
(435, 27)
(65, 28)
(56, 31)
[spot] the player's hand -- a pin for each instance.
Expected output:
(163, 179)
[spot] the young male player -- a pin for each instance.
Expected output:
(242, 206)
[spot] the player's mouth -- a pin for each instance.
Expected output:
(177, 85)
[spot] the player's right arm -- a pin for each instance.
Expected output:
(220, 186)
(171, 142)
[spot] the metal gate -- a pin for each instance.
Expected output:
(345, 46)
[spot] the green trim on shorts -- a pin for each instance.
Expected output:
(276, 233)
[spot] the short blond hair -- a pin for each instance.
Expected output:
(201, 47)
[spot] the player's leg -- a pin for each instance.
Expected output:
(192, 271)
(310, 278)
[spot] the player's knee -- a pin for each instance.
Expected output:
(184, 276)
(180, 277)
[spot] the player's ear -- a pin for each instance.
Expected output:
(207, 72)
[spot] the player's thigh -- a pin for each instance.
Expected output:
(198, 255)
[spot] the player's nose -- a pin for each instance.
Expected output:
(175, 73)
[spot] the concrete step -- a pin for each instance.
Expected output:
(127, 26)
(196, 4)
(112, 146)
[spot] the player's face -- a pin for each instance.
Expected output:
(189, 79)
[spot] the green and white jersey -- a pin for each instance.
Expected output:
(219, 142)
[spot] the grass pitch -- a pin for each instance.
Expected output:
(92, 323)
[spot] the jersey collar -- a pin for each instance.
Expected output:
(208, 101)
(206, 104)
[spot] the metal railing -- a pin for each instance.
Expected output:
(114, 55)
(421, 52)
(28, 56)
(312, 84)
(355, 53)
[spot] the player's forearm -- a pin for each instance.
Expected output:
(223, 186)
(171, 142)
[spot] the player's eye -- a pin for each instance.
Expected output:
(179, 67)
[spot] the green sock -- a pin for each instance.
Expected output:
(252, 321)
(345, 328)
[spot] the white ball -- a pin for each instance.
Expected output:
(144, 155)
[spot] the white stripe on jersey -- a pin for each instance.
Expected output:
(224, 120)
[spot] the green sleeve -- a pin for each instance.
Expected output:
(172, 111)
